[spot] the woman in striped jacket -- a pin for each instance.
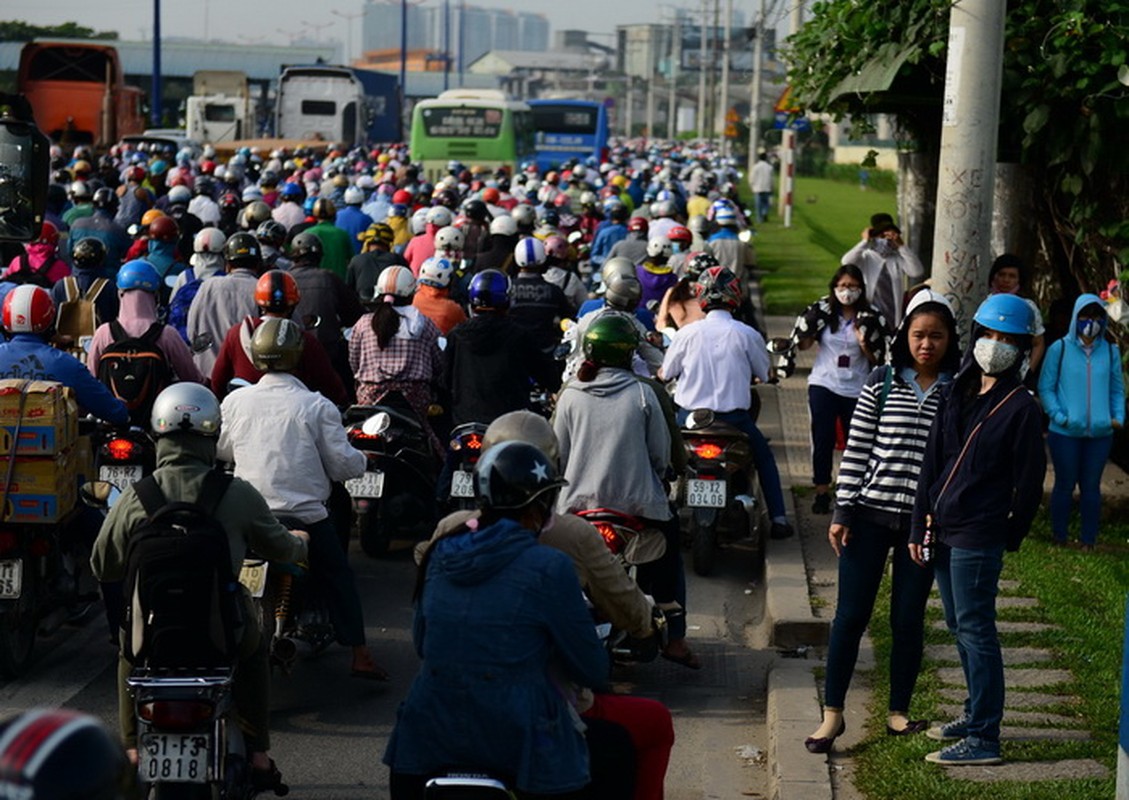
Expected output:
(877, 481)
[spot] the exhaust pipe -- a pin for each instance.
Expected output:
(283, 651)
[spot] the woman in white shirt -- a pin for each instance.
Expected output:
(852, 339)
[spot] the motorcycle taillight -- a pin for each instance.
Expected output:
(468, 441)
(176, 715)
(612, 538)
(357, 435)
(708, 450)
(122, 450)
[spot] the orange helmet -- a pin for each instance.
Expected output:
(277, 292)
(150, 215)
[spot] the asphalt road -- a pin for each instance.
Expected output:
(330, 729)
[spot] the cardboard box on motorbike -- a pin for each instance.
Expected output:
(50, 417)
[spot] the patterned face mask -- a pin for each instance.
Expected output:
(848, 297)
(1089, 328)
(994, 357)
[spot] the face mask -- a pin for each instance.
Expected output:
(1089, 328)
(994, 357)
(848, 297)
(883, 247)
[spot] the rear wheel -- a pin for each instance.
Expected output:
(703, 544)
(375, 536)
(18, 624)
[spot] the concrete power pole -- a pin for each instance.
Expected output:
(675, 57)
(723, 100)
(969, 130)
(755, 99)
(702, 56)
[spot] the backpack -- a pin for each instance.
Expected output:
(78, 316)
(135, 369)
(36, 276)
(183, 606)
(182, 300)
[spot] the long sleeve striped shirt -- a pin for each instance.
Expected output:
(878, 476)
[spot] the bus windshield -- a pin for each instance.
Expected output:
(462, 122)
(569, 129)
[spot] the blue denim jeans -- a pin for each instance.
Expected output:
(826, 407)
(969, 581)
(861, 565)
(1078, 461)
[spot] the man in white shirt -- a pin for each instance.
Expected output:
(288, 442)
(715, 361)
(887, 264)
(761, 184)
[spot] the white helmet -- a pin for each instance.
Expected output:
(524, 215)
(354, 196)
(395, 280)
(450, 239)
(503, 225)
(209, 240)
(529, 253)
(418, 222)
(186, 407)
(439, 216)
(436, 271)
(660, 247)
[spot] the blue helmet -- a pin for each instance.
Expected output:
(290, 190)
(489, 291)
(1005, 313)
(138, 274)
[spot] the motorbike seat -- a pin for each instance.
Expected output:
(715, 429)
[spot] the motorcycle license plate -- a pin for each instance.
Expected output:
(462, 483)
(121, 475)
(174, 758)
(371, 484)
(11, 579)
(254, 577)
(705, 494)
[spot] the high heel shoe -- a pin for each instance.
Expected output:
(912, 726)
(822, 744)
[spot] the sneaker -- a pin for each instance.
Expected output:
(970, 752)
(956, 729)
(821, 504)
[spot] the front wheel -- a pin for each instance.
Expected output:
(19, 622)
(703, 543)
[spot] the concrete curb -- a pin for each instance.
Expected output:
(792, 713)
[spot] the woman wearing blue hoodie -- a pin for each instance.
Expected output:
(1083, 394)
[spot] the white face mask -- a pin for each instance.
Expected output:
(848, 297)
(994, 357)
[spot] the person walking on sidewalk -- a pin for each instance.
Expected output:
(877, 483)
(981, 484)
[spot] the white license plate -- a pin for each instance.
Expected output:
(11, 579)
(121, 475)
(371, 484)
(253, 575)
(174, 758)
(705, 494)
(462, 484)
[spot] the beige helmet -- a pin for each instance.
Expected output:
(523, 426)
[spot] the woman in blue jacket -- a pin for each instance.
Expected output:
(502, 629)
(1083, 393)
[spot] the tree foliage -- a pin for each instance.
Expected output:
(18, 31)
(1064, 104)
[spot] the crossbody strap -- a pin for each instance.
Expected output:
(968, 441)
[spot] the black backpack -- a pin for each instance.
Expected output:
(135, 369)
(183, 606)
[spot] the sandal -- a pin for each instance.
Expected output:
(688, 659)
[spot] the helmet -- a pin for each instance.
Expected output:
(138, 274)
(186, 407)
(680, 233)
(379, 232)
(477, 210)
(698, 262)
(450, 238)
(524, 216)
(662, 208)
(180, 196)
(437, 272)
(243, 250)
(28, 309)
(402, 196)
(79, 191)
(324, 209)
(149, 216)
(440, 216)
(610, 340)
(136, 173)
(514, 474)
(59, 753)
(164, 229)
(290, 191)
(637, 224)
(89, 253)
(354, 196)
(587, 200)
(660, 247)
(255, 214)
(251, 194)
(489, 290)
(271, 232)
(277, 292)
(718, 287)
(616, 266)
(725, 217)
(204, 186)
(491, 195)
(623, 292)
(209, 240)
(276, 345)
(418, 222)
(557, 247)
(306, 247)
(503, 225)
(396, 281)
(549, 217)
(106, 199)
(563, 202)
(523, 426)
(529, 253)
(229, 202)
(1006, 313)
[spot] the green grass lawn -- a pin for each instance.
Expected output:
(827, 218)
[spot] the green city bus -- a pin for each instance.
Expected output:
(475, 127)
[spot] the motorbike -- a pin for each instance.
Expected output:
(783, 358)
(395, 498)
(465, 448)
(718, 490)
(124, 457)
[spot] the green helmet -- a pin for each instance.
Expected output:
(277, 345)
(610, 341)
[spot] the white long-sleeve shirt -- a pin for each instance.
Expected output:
(901, 264)
(715, 361)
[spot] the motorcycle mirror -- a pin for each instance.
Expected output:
(442, 342)
(99, 494)
(202, 342)
(311, 321)
(575, 237)
(699, 418)
(170, 281)
(746, 235)
(237, 383)
(779, 345)
(377, 424)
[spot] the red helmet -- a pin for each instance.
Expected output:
(680, 233)
(277, 292)
(207, 167)
(402, 197)
(563, 201)
(164, 229)
(135, 173)
(557, 247)
(48, 234)
(491, 195)
(638, 224)
(718, 288)
(28, 309)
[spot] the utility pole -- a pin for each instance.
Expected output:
(966, 176)
(755, 99)
(629, 121)
(788, 142)
(446, 45)
(403, 62)
(702, 69)
(651, 104)
(675, 57)
(723, 111)
(155, 90)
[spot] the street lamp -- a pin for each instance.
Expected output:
(349, 23)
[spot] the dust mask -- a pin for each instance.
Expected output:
(994, 357)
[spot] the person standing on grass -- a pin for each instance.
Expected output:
(981, 484)
(877, 483)
(762, 186)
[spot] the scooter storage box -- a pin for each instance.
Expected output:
(50, 417)
(44, 488)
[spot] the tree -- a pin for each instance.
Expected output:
(1063, 109)
(17, 31)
